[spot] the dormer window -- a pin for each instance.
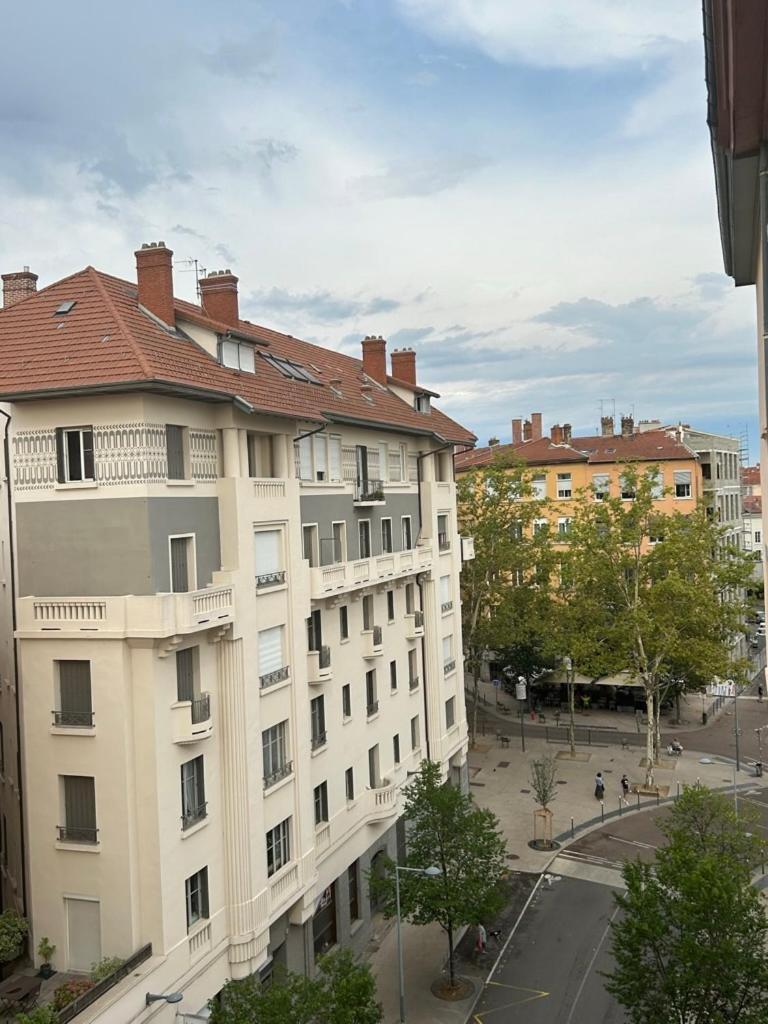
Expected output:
(421, 402)
(237, 355)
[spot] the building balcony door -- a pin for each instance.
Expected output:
(83, 934)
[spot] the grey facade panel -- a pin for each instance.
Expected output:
(112, 546)
(325, 509)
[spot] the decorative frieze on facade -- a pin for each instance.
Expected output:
(123, 453)
(34, 460)
(127, 453)
(203, 455)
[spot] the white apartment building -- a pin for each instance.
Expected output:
(237, 628)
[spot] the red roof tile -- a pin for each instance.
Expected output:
(753, 504)
(750, 475)
(650, 446)
(108, 342)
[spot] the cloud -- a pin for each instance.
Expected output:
(248, 58)
(416, 178)
(320, 306)
(557, 33)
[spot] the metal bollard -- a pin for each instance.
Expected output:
(573, 831)
(602, 811)
(620, 803)
(657, 798)
(638, 801)
(678, 790)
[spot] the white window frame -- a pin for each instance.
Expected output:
(539, 486)
(384, 549)
(279, 837)
(564, 483)
(360, 554)
(409, 520)
(68, 478)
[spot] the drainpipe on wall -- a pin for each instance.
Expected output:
(15, 647)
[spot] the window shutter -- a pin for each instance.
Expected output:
(683, 477)
(320, 449)
(305, 458)
(270, 650)
(61, 471)
(75, 686)
(334, 457)
(79, 802)
(266, 545)
(179, 565)
(88, 470)
(447, 642)
(185, 674)
(174, 448)
(445, 589)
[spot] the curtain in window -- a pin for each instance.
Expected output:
(270, 650)
(266, 545)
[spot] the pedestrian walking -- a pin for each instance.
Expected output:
(624, 786)
(599, 786)
(481, 939)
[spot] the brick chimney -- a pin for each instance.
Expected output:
(517, 431)
(527, 430)
(404, 365)
(627, 426)
(218, 297)
(606, 426)
(375, 358)
(535, 426)
(18, 286)
(556, 434)
(567, 433)
(154, 272)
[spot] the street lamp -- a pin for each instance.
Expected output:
(430, 872)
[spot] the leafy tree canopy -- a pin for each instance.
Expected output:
(342, 992)
(448, 831)
(690, 943)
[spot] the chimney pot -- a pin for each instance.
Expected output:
(527, 430)
(556, 434)
(154, 273)
(606, 426)
(535, 426)
(567, 433)
(18, 286)
(404, 365)
(375, 358)
(218, 297)
(627, 426)
(517, 431)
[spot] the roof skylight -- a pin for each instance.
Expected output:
(289, 369)
(65, 307)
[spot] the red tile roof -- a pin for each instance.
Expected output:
(753, 504)
(107, 342)
(750, 475)
(650, 446)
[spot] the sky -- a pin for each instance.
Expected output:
(521, 192)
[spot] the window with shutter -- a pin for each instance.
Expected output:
(334, 457)
(181, 548)
(305, 458)
(266, 546)
(174, 449)
(539, 485)
(186, 663)
(270, 650)
(682, 483)
(74, 694)
(445, 589)
(601, 485)
(320, 453)
(74, 454)
(79, 809)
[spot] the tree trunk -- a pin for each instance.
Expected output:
(475, 700)
(649, 736)
(451, 971)
(571, 724)
(657, 729)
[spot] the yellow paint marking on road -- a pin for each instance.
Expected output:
(531, 996)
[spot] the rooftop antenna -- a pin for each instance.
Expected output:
(190, 264)
(609, 403)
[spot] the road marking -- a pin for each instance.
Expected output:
(533, 994)
(590, 965)
(631, 842)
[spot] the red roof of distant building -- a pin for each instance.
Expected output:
(109, 343)
(753, 504)
(649, 446)
(750, 475)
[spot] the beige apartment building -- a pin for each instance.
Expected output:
(237, 628)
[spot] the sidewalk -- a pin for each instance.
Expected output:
(499, 780)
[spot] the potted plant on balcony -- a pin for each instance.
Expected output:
(45, 950)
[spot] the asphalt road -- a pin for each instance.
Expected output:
(549, 973)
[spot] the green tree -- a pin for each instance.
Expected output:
(659, 596)
(445, 830)
(690, 942)
(503, 588)
(342, 992)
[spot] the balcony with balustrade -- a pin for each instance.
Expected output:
(151, 615)
(319, 665)
(191, 720)
(381, 801)
(373, 642)
(414, 627)
(369, 492)
(339, 577)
